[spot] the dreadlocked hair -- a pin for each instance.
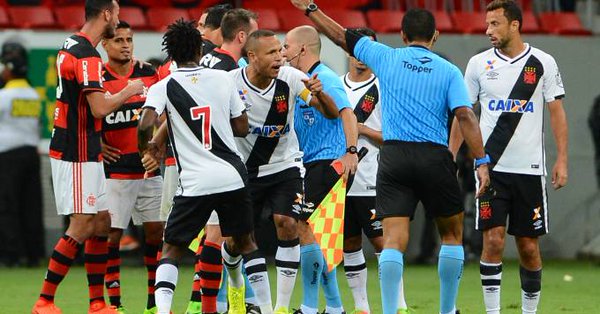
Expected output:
(182, 42)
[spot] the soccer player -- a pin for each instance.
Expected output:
(362, 88)
(418, 89)
(204, 111)
(271, 150)
(75, 154)
(515, 83)
(235, 27)
(324, 139)
(130, 192)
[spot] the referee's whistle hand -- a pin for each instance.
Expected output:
(483, 176)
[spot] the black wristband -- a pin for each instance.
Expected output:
(352, 39)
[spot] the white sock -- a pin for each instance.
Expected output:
(491, 276)
(401, 300)
(451, 312)
(334, 310)
(307, 310)
(355, 268)
(221, 307)
(256, 270)
(287, 260)
(234, 267)
(529, 302)
(166, 280)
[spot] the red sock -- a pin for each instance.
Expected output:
(196, 292)
(95, 258)
(64, 253)
(151, 262)
(211, 266)
(112, 278)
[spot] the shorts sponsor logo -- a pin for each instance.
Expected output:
(91, 200)
(511, 105)
(372, 213)
(377, 225)
(485, 210)
(536, 213)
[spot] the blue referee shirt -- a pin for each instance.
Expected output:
(419, 88)
(321, 138)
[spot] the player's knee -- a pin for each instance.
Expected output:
(102, 224)
(114, 236)
(494, 242)
(529, 251)
(287, 227)
(352, 244)
(242, 244)
(153, 232)
(81, 227)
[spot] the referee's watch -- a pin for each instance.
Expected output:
(482, 161)
(352, 150)
(310, 8)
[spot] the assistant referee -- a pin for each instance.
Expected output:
(419, 89)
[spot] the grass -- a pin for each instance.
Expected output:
(20, 288)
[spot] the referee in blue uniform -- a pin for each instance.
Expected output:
(419, 89)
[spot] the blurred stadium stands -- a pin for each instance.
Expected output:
(455, 16)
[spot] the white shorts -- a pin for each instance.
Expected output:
(213, 220)
(77, 186)
(132, 199)
(170, 183)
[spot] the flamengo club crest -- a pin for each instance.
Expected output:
(367, 104)
(281, 104)
(529, 76)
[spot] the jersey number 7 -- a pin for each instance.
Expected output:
(203, 115)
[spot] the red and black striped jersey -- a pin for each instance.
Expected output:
(76, 134)
(119, 129)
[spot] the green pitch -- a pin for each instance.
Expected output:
(20, 287)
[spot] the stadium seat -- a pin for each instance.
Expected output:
(289, 19)
(4, 21)
(530, 23)
(71, 17)
(469, 22)
(346, 18)
(268, 4)
(160, 18)
(195, 13)
(385, 21)
(268, 19)
(443, 22)
(31, 17)
(562, 23)
(134, 16)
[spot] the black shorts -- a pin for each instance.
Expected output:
(190, 214)
(279, 193)
(360, 216)
(410, 172)
(522, 198)
(320, 177)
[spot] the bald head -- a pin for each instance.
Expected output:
(306, 35)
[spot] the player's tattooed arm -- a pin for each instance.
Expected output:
(324, 24)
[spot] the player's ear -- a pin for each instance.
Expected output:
(404, 38)
(436, 35)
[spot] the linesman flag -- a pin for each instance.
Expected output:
(327, 224)
(327, 221)
(196, 242)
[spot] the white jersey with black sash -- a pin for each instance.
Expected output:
(513, 94)
(365, 98)
(200, 104)
(272, 145)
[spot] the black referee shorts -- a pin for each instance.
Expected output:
(519, 197)
(190, 214)
(410, 172)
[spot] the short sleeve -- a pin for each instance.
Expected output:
(156, 98)
(553, 86)
(88, 72)
(457, 92)
(372, 53)
(236, 105)
(472, 81)
(333, 86)
(297, 86)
